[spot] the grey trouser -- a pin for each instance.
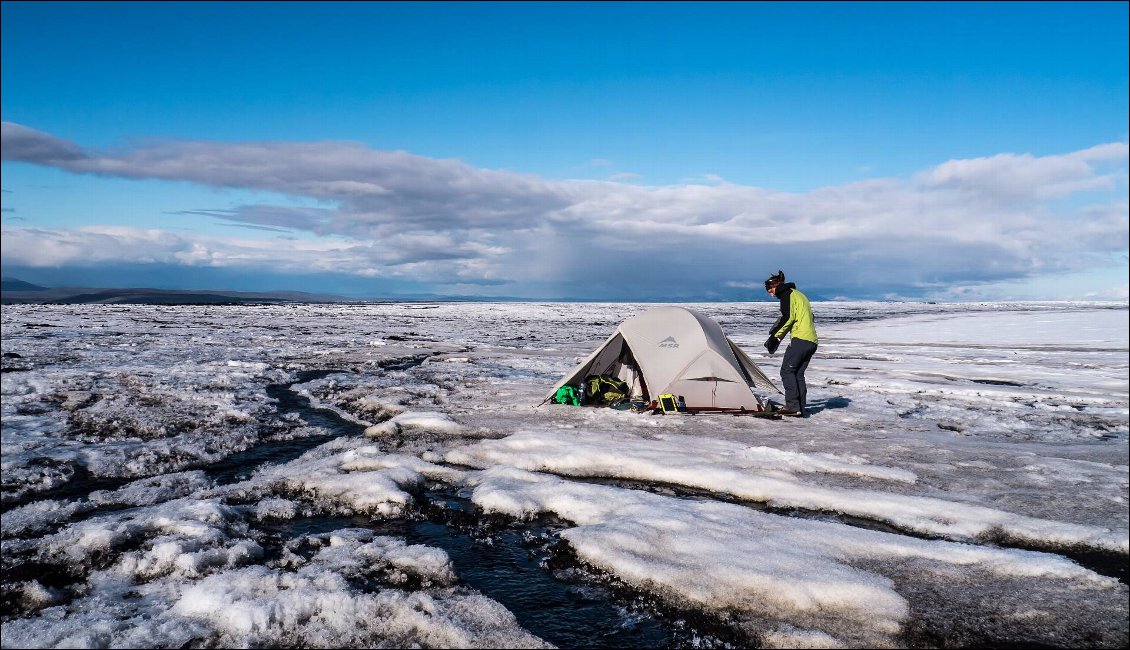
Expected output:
(793, 366)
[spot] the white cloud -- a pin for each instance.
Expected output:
(1026, 178)
(397, 214)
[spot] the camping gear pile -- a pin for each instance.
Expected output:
(603, 390)
(666, 360)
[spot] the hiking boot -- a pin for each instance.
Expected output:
(790, 412)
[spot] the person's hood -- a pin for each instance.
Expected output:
(784, 289)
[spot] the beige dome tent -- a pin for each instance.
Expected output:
(677, 351)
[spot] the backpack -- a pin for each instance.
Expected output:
(605, 389)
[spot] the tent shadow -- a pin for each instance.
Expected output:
(838, 402)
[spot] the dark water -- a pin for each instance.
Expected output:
(566, 614)
(80, 486)
(242, 465)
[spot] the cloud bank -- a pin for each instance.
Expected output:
(462, 229)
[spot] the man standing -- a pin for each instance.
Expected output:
(796, 317)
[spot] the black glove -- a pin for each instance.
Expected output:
(772, 343)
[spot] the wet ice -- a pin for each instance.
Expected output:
(968, 428)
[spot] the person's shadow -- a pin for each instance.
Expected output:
(816, 406)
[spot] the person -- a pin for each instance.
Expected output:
(796, 319)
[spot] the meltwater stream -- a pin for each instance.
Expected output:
(242, 465)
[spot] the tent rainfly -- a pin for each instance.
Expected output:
(673, 350)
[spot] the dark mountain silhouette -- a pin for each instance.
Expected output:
(12, 284)
(16, 291)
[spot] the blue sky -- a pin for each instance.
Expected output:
(609, 151)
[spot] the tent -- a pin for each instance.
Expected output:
(678, 351)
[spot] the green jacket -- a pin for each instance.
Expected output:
(796, 315)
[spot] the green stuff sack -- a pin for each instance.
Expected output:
(567, 395)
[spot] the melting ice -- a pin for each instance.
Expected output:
(962, 479)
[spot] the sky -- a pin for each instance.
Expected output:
(570, 151)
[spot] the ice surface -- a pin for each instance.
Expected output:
(764, 475)
(729, 558)
(958, 459)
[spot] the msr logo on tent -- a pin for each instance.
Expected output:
(669, 342)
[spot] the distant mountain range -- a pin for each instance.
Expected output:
(12, 284)
(14, 291)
